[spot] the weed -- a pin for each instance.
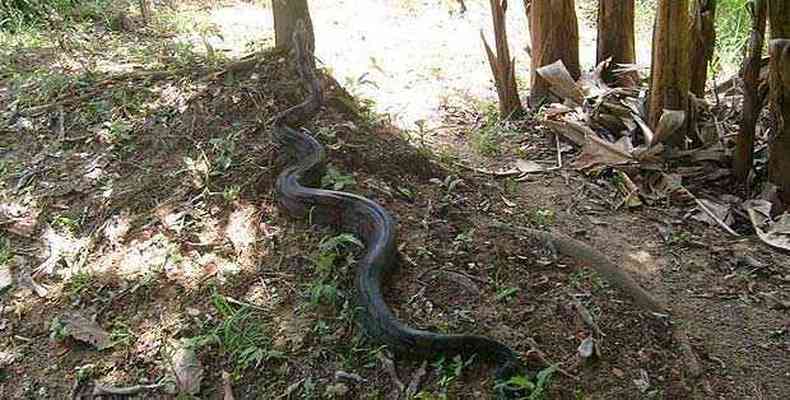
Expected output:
(323, 289)
(240, 335)
(505, 294)
(542, 217)
(536, 388)
(578, 277)
(680, 238)
(449, 373)
(121, 335)
(57, 330)
(335, 180)
(66, 223)
(78, 284)
(485, 141)
(223, 149)
(231, 193)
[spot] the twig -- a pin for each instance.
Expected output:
(710, 213)
(500, 174)
(243, 304)
(349, 377)
(559, 151)
(101, 390)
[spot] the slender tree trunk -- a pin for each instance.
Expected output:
(502, 65)
(554, 32)
(779, 80)
(286, 13)
(703, 41)
(743, 157)
(616, 40)
(669, 86)
(145, 10)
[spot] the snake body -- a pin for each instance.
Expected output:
(370, 222)
(375, 227)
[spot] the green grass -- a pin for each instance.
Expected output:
(733, 26)
(78, 284)
(537, 388)
(20, 15)
(240, 334)
(543, 217)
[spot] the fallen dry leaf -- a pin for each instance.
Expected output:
(85, 330)
(527, 166)
(562, 84)
(775, 233)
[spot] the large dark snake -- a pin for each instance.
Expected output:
(370, 222)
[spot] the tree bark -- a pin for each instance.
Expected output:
(145, 10)
(779, 81)
(703, 41)
(669, 86)
(502, 65)
(616, 40)
(554, 34)
(286, 13)
(743, 157)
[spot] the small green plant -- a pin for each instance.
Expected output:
(323, 289)
(450, 372)
(231, 193)
(66, 223)
(335, 180)
(78, 284)
(239, 334)
(223, 149)
(585, 274)
(486, 141)
(57, 330)
(542, 217)
(121, 335)
(506, 293)
(537, 389)
(680, 238)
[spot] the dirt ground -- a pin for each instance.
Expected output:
(146, 194)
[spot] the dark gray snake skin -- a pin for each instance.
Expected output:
(375, 227)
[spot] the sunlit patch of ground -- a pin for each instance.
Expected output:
(408, 57)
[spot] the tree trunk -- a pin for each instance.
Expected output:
(669, 84)
(145, 10)
(779, 80)
(616, 40)
(502, 66)
(703, 41)
(554, 34)
(286, 13)
(743, 157)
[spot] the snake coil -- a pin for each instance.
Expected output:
(375, 227)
